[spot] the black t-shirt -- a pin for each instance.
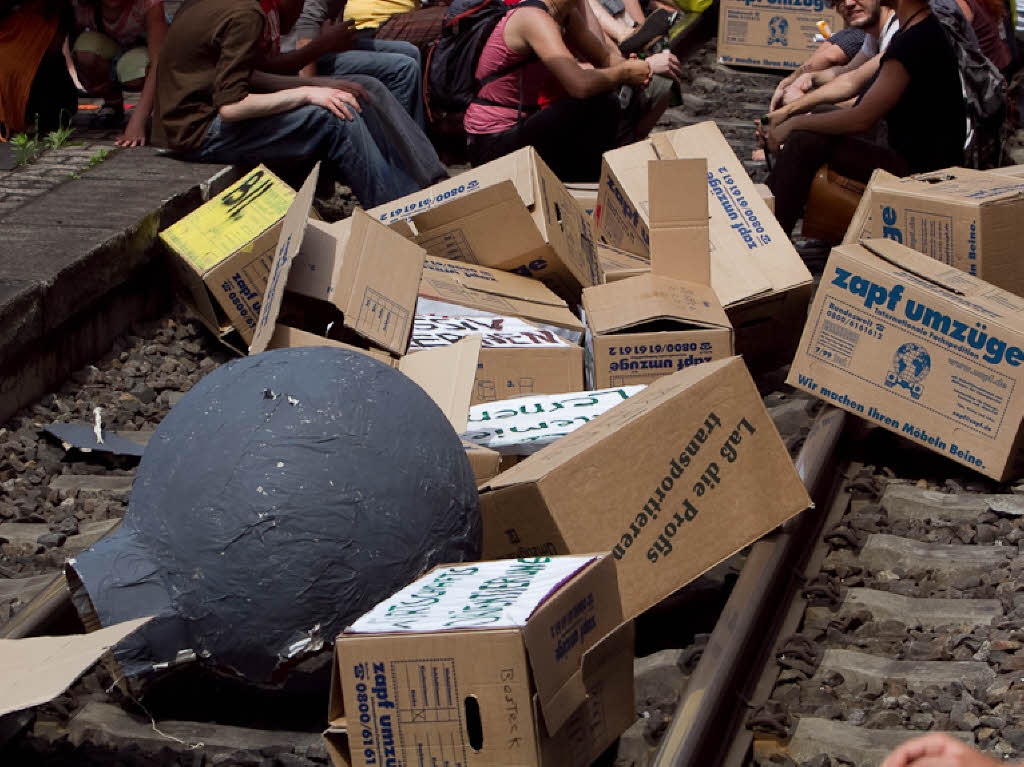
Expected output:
(928, 126)
(849, 40)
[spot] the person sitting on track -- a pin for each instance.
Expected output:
(212, 105)
(526, 56)
(917, 91)
(338, 51)
(115, 47)
(937, 749)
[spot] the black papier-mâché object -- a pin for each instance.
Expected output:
(281, 498)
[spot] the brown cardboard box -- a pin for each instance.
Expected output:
(755, 271)
(511, 214)
(770, 33)
(619, 264)
(644, 327)
(447, 285)
(516, 357)
(364, 282)
(691, 470)
(585, 195)
(965, 218)
(920, 348)
(766, 194)
(1017, 171)
(486, 463)
(223, 250)
(432, 677)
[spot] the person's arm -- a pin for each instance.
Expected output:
(937, 749)
(534, 29)
(255, 105)
(881, 97)
(825, 56)
(335, 37)
(846, 86)
(580, 38)
(156, 30)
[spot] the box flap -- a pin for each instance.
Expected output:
(679, 230)
(288, 245)
(959, 185)
(317, 261)
(484, 595)
(536, 466)
(645, 298)
(38, 669)
(563, 629)
(230, 221)
(377, 283)
(447, 375)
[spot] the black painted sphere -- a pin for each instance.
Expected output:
(294, 488)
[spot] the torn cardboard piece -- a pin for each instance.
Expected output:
(964, 218)
(548, 641)
(516, 357)
(451, 288)
(755, 270)
(362, 285)
(511, 214)
(38, 669)
(445, 373)
(223, 250)
(524, 425)
(920, 348)
(644, 327)
(707, 474)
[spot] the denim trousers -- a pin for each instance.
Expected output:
(394, 62)
(380, 154)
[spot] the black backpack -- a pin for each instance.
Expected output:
(450, 83)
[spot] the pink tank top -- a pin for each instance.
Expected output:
(495, 56)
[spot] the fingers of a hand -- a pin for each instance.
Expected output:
(350, 100)
(914, 750)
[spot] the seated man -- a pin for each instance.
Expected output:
(878, 24)
(918, 92)
(213, 106)
(326, 46)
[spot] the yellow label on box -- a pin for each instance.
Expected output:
(231, 220)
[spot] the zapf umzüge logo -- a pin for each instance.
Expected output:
(910, 366)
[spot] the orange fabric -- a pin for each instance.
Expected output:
(24, 37)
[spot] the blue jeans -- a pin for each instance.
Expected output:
(395, 63)
(374, 154)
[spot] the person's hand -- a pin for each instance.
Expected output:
(337, 35)
(350, 86)
(777, 95)
(665, 63)
(799, 88)
(775, 135)
(638, 71)
(134, 132)
(337, 101)
(938, 750)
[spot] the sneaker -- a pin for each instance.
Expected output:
(108, 116)
(656, 25)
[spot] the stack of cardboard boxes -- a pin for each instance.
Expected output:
(598, 354)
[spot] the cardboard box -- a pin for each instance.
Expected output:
(766, 194)
(965, 218)
(486, 463)
(772, 34)
(619, 264)
(522, 426)
(691, 470)
(511, 214)
(521, 663)
(1017, 171)
(363, 284)
(644, 327)
(755, 270)
(585, 195)
(223, 250)
(516, 357)
(453, 287)
(920, 348)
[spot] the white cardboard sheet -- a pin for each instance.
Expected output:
(500, 594)
(524, 425)
(432, 330)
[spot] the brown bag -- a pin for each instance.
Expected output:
(830, 205)
(422, 28)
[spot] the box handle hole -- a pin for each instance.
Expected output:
(474, 726)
